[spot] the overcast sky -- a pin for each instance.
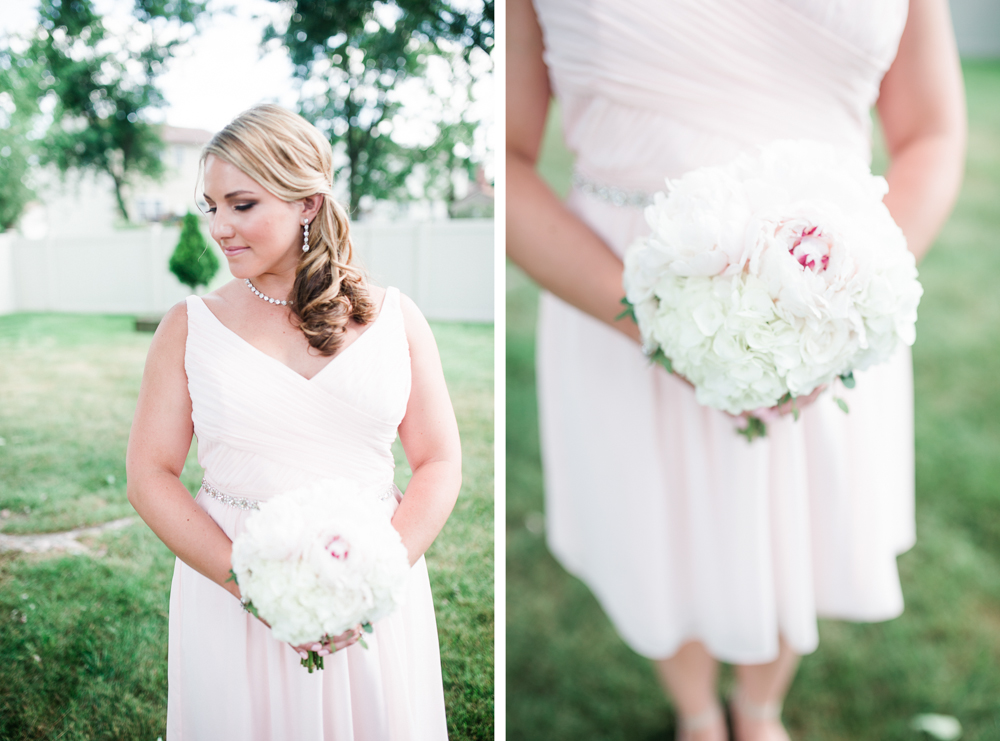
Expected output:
(222, 71)
(213, 78)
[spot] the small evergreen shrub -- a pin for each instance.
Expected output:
(193, 262)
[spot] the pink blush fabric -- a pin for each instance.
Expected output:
(682, 529)
(263, 429)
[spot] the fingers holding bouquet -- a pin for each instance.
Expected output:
(786, 407)
(328, 645)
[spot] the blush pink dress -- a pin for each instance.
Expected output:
(682, 529)
(262, 429)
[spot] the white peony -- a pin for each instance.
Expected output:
(319, 560)
(772, 275)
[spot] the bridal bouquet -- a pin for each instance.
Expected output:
(775, 274)
(319, 560)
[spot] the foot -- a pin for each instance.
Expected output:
(709, 725)
(754, 721)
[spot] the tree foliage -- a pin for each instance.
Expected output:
(451, 152)
(103, 85)
(351, 55)
(193, 262)
(19, 86)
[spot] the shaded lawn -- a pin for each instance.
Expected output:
(83, 638)
(570, 677)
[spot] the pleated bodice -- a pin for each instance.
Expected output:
(263, 428)
(654, 89)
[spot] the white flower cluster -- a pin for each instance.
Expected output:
(319, 560)
(772, 275)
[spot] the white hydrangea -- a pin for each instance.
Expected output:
(771, 275)
(319, 560)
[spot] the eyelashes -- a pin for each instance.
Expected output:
(241, 207)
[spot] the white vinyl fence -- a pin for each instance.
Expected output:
(446, 267)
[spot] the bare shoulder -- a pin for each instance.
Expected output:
(416, 325)
(424, 351)
(168, 346)
(172, 330)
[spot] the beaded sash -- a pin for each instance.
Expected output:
(611, 193)
(246, 503)
(228, 500)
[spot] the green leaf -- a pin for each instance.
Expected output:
(848, 380)
(841, 403)
(629, 312)
(755, 428)
(362, 642)
(785, 399)
(367, 627)
(232, 577)
(661, 357)
(795, 413)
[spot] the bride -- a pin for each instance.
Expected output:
(713, 549)
(298, 370)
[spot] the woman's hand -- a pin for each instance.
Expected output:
(328, 646)
(772, 414)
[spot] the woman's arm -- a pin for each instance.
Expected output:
(560, 252)
(429, 434)
(157, 448)
(922, 108)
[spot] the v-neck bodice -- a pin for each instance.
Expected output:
(331, 361)
(263, 428)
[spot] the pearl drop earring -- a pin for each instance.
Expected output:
(305, 236)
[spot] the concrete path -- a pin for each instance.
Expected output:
(65, 541)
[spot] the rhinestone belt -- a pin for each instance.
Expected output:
(610, 193)
(231, 501)
(245, 503)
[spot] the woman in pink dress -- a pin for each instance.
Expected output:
(699, 546)
(298, 370)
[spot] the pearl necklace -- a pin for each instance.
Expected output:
(253, 288)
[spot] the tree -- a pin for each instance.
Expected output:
(19, 90)
(352, 55)
(103, 85)
(193, 262)
(451, 154)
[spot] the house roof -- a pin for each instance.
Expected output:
(179, 135)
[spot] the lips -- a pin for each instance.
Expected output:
(233, 250)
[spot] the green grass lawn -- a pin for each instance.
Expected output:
(83, 639)
(570, 677)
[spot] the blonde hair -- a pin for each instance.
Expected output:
(292, 160)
